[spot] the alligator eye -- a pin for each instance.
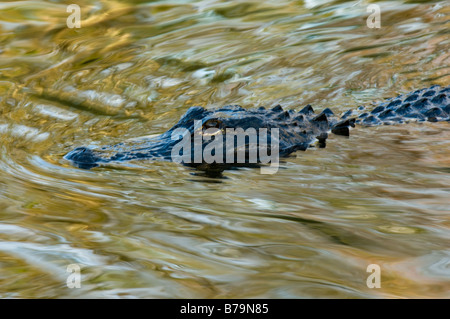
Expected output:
(212, 123)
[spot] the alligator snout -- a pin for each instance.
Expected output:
(83, 157)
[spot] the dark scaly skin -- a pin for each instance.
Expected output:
(297, 130)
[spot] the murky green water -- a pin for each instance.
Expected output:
(158, 230)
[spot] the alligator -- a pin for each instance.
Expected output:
(296, 131)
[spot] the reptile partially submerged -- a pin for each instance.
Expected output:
(296, 130)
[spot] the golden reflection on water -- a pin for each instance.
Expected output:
(158, 229)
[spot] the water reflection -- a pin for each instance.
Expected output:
(158, 229)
